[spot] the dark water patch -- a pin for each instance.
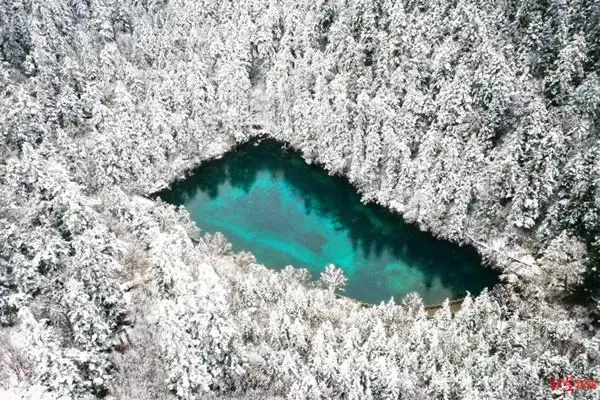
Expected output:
(268, 201)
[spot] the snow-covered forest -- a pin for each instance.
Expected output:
(476, 120)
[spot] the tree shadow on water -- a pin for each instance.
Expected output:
(206, 180)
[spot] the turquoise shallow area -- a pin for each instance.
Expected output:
(270, 202)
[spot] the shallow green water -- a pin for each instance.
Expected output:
(286, 212)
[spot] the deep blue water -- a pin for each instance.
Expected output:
(270, 202)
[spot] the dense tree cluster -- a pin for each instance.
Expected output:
(476, 120)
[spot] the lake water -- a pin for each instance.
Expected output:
(270, 202)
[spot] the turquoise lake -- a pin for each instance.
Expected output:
(270, 202)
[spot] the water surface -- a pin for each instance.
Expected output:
(270, 202)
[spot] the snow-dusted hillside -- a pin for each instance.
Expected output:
(476, 120)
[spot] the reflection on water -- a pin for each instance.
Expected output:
(286, 212)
